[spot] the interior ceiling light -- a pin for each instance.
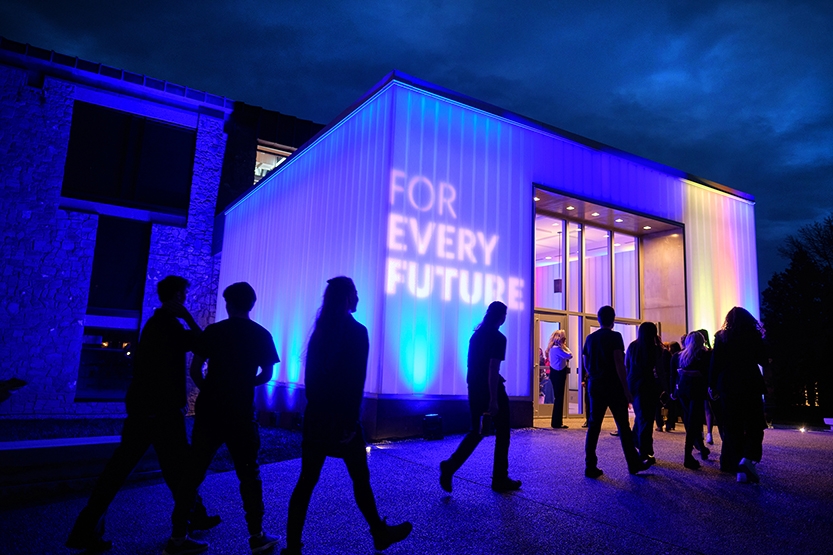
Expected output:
(617, 244)
(571, 208)
(619, 220)
(646, 227)
(548, 257)
(594, 214)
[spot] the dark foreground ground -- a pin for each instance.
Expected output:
(667, 509)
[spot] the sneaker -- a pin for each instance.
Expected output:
(86, 534)
(691, 463)
(262, 542)
(704, 453)
(650, 460)
(203, 522)
(748, 467)
(585, 424)
(385, 536)
(659, 429)
(615, 434)
(184, 546)
(742, 479)
(709, 439)
(593, 472)
(638, 466)
(445, 476)
(503, 485)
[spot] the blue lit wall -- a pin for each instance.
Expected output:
(427, 203)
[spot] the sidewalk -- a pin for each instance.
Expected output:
(666, 509)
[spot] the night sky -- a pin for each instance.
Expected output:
(736, 92)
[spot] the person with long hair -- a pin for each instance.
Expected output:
(673, 404)
(336, 369)
(735, 379)
(560, 356)
(691, 371)
(641, 360)
(487, 396)
(712, 409)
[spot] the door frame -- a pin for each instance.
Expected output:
(541, 410)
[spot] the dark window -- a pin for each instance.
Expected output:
(117, 284)
(128, 160)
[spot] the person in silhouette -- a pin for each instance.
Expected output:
(735, 379)
(155, 403)
(487, 396)
(560, 357)
(692, 370)
(642, 360)
(607, 385)
(235, 349)
(335, 373)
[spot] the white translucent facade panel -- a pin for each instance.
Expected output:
(626, 276)
(597, 268)
(459, 236)
(323, 214)
(721, 261)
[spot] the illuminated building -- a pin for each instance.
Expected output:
(436, 204)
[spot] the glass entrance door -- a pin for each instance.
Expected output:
(545, 403)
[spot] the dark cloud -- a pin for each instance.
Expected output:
(737, 92)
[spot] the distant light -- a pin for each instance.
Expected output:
(571, 208)
(594, 214)
(367, 449)
(646, 227)
(536, 199)
(128, 353)
(619, 220)
(802, 429)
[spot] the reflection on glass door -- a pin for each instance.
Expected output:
(545, 402)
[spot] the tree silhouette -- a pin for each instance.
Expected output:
(797, 312)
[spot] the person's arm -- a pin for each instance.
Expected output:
(619, 360)
(494, 381)
(179, 310)
(265, 374)
(196, 370)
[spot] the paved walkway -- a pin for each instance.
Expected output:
(667, 509)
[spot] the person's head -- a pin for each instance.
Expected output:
(674, 347)
(740, 323)
(495, 315)
(606, 316)
(240, 298)
(705, 335)
(340, 296)
(647, 333)
(694, 343)
(557, 339)
(172, 288)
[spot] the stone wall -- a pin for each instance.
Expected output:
(46, 252)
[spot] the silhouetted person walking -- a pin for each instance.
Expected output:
(642, 360)
(235, 348)
(487, 395)
(607, 385)
(336, 369)
(155, 406)
(692, 369)
(735, 380)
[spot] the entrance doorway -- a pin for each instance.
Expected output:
(544, 400)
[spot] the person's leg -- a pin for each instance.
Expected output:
(355, 458)
(312, 461)
(206, 438)
(691, 431)
(558, 379)
(638, 423)
(647, 409)
(89, 526)
(242, 438)
(478, 404)
(500, 467)
(619, 410)
(730, 451)
(597, 409)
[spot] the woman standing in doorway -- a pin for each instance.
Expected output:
(560, 356)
